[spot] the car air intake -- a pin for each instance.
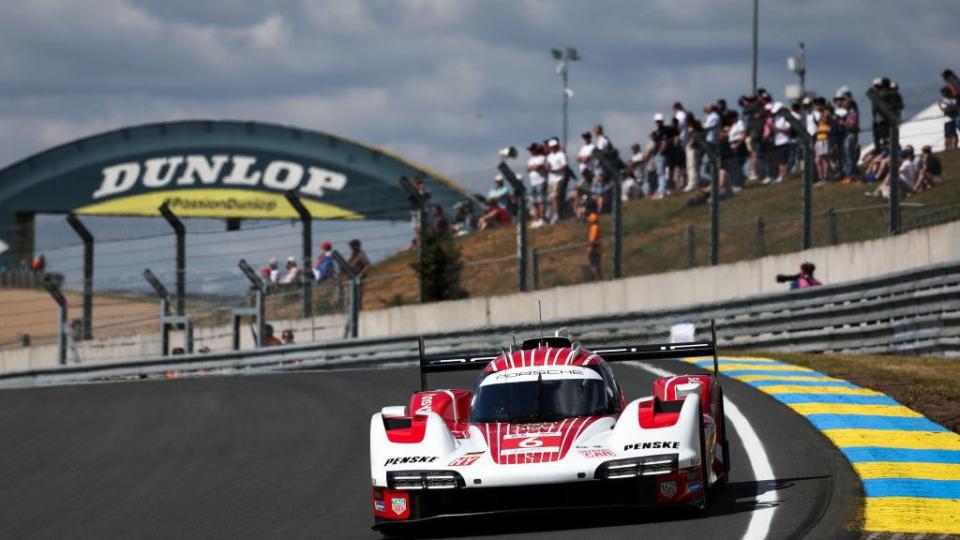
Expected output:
(640, 466)
(407, 480)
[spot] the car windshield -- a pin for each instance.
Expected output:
(540, 400)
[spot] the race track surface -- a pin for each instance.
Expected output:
(286, 456)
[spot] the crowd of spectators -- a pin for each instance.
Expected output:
(325, 269)
(758, 143)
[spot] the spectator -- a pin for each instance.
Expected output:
(692, 153)
(274, 268)
(782, 141)
(269, 339)
(557, 167)
(952, 81)
(733, 149)
(537, 173)
(581, 200)
(630, 188)
(594, 249)
(821, 145)
(494, 216)
(500, 192)
(287, 337)
(851, 136)
(602, 191)
(949, 105)
(712, 124)
(663, 138)
(358, 260)
(802, 280)
(680, 123)
(420, 187)
(439, 220)
(293, 272)
(635, 166)
(600, 140)
(585, 159)
(325, 267)
(39, 264)
(931, 172)
(464, 220)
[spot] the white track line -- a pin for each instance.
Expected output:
(762, 517)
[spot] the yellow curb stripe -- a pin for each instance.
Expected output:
(912, 515)
(852, 408)
(892, 438)
(926, 471)
(837, 390)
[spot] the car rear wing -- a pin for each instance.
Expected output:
(628, 353)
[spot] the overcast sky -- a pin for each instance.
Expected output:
(441, 81)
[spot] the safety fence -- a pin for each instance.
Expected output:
(911, 312)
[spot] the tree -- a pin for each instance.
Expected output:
(440, 270)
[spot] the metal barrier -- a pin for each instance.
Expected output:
(912, 312)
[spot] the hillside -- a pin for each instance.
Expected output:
(655, 235)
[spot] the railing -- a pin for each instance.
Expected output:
(912, 312)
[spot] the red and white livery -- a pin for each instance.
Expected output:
(548, 426)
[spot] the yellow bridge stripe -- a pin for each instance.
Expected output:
(926, 471)
(892, 438)
(852, 408)
(752, 378)
(912, 515)
(837, 390)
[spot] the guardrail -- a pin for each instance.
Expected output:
(915, 311)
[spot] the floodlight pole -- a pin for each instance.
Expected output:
(353, 320)
(87, 238)
(62, 335)
(521, 192)
(756, 31)
(421, 203)
(306, 277)
(607, 161)
(181, 232)
(564, 57)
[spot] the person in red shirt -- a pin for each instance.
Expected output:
(595, 248)
(494, 216)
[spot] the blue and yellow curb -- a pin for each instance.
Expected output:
(909, 465)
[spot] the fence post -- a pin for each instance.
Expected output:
(164, 310)
(521, 192)
(832, 233)
(806, 140)
(691, 235)
(535, 267)
(711, 153)
(180, 231)
(421, 205)
(353, 317)
(259, 307)
(87, 238)
(760, 242)
(306, 276)
(57, 296)
(892, 116)
(607, 161)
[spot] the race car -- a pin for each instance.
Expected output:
(547, 426)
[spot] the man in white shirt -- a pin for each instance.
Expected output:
(600, 140)
(557, 172)
(782, 141)
(537, 173)
(585, 159)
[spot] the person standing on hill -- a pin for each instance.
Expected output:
(594, 249)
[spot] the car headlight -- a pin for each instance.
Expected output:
(407, 480)
(639, 466)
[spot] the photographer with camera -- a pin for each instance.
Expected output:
(802, 280)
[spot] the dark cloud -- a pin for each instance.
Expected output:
(445, 82)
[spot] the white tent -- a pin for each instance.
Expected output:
(925, 128)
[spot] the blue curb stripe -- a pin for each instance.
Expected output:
(867, 421)
(834, 398)
(912, 487)
(739, 372)
(777, 382)
(863, 454)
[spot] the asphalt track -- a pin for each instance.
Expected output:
(286, 456)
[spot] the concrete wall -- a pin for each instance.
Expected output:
(698, 285)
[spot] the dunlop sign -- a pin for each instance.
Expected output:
(219, 185)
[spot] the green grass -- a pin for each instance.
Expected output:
(655, 235)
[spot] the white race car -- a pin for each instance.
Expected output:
(547, 426)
